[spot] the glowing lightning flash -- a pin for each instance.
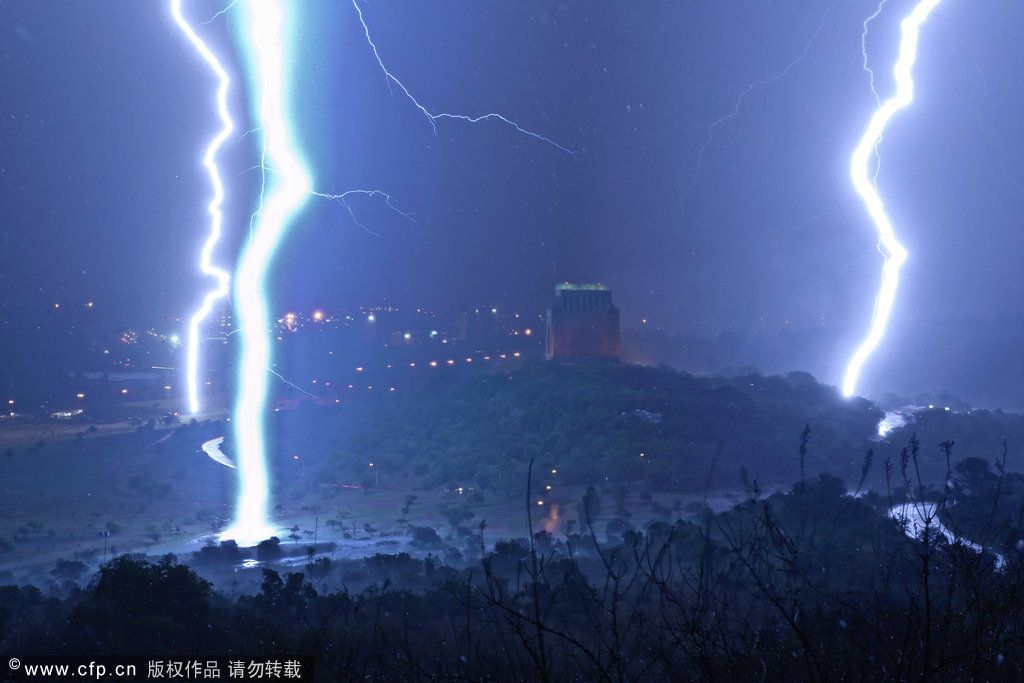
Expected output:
(290, 187)
(209, 160)
(288, 192)
(434, 117)
(893, 250)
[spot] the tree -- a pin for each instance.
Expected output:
(409, 500)
(319, 568)
(136, 606)
(68, 570)
(455, 513)
(424, 537)
(589, 509)
(270, 549)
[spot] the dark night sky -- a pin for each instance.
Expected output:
(105, 111)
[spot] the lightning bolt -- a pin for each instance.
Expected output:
(432, 117)
(738, 104)
(287, 192)
(864, 49)
(991, 133)
(210, 161)
(289, 184)
(342, 199)
(893, 251)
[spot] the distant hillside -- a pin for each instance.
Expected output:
(592, 423)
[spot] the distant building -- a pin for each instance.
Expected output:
(220, 323)
(583, 324)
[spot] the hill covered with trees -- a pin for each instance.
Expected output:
(592, 423)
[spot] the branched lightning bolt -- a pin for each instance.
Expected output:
(220, 12)
(737, 105)
(864, 49)
(216, 216)
(288, 192)
(862, 181)
(342, 198)
(871, 80)
(288, 189)
(435, 117)
(981, 121)
(281, 377)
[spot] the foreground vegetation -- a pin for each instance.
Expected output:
(808, 584)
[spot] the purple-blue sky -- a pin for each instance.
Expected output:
(105, 110)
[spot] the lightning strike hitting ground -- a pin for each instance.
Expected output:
(431, 116)
(289, 188)
(216, 216)
(287, 192)
(894, 252)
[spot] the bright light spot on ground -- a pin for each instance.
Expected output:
(249, 535)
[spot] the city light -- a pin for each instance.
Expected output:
(892, 250)
(206, 254)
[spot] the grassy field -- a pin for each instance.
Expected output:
(59, 495)
(155, 491)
